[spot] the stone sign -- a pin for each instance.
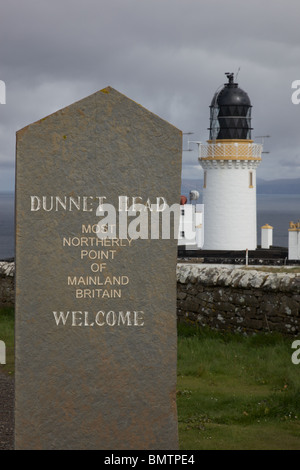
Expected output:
(96, 309)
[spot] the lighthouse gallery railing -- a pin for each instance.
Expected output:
(227, 151)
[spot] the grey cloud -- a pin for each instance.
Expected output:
(292, 163)
(168, 55)
(6, 164)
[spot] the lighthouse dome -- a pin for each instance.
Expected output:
(230, 112)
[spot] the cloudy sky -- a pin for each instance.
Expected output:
(168, 55)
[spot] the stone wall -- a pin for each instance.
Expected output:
(237, 299)
(7, 279)
(222, 297)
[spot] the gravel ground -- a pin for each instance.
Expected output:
(7, 390)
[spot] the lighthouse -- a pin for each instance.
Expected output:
(229, 160)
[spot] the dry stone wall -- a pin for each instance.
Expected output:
(224, 298)
(238, 300)
(7, 292)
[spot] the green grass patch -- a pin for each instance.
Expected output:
(237, 392)
(233, 391)
(7, 321)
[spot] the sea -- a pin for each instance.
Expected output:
(277, 210)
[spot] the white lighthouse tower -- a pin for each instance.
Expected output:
(229, 160)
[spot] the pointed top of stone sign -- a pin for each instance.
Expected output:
(104, 128)
(114, 96)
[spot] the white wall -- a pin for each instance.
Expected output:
(294, 244)
(266, 238)
(191, 216)
(230, 206)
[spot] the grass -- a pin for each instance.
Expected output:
(233, 392)
(236, 392)
(7, 320)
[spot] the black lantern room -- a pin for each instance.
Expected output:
(230, 113)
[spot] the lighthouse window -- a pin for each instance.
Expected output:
(182, 234)
(251, 179)
(182, 211)
(205, 179)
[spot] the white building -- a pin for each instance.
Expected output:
(229, 160)
(266, 236)
(294, 241)
(191, 224)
